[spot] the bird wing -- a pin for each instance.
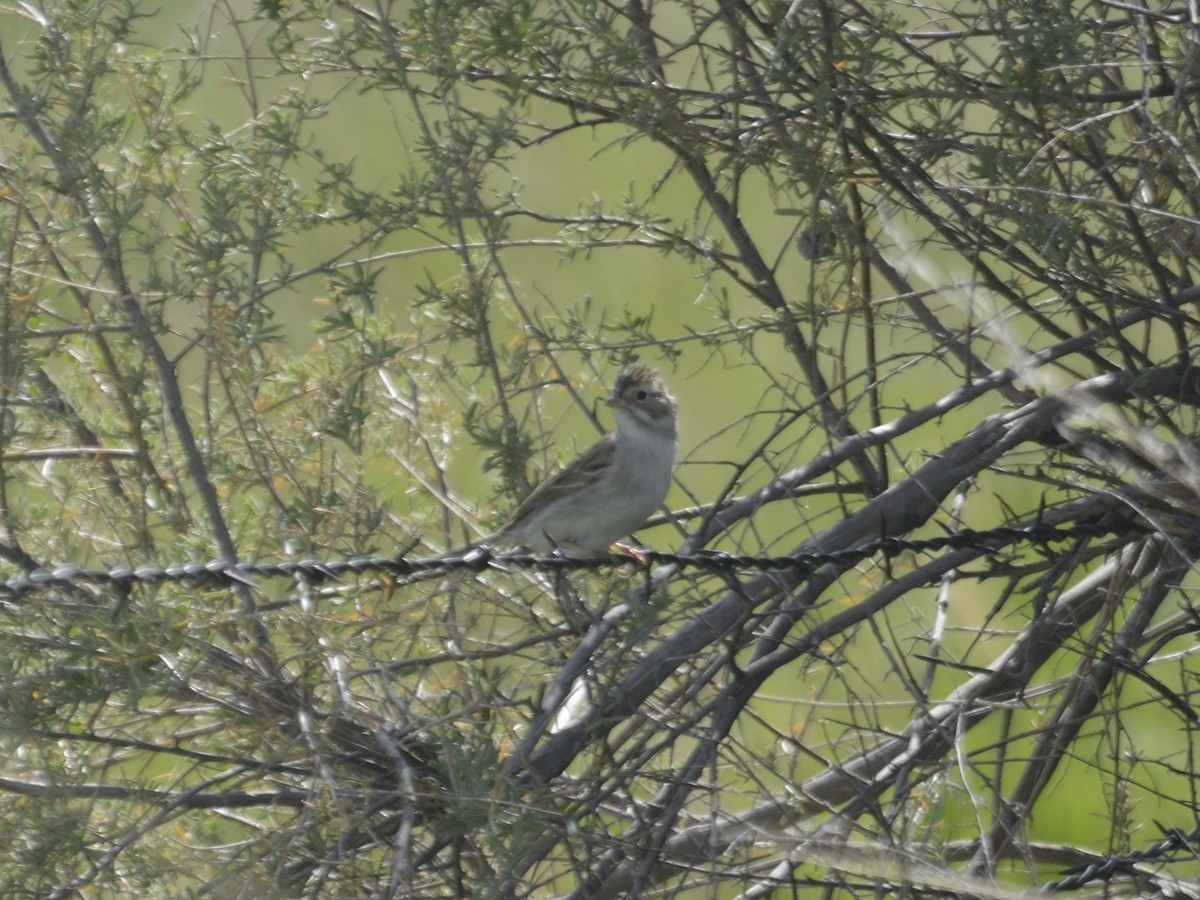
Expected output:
(579, 475)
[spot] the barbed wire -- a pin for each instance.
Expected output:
(1176, 839)
(478, 559)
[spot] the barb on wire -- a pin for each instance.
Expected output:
(1176, 839)
(221, 572)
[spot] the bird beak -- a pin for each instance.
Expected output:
(616, 401)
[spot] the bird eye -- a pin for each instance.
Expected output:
(642, 395)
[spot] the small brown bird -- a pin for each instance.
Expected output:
(615, 485)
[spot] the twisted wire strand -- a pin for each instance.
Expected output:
(224, 572)
(1176, 839)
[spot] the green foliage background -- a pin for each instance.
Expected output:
(289, 280)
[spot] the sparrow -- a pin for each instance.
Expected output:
(614, 485)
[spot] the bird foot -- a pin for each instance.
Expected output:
(637, 554)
